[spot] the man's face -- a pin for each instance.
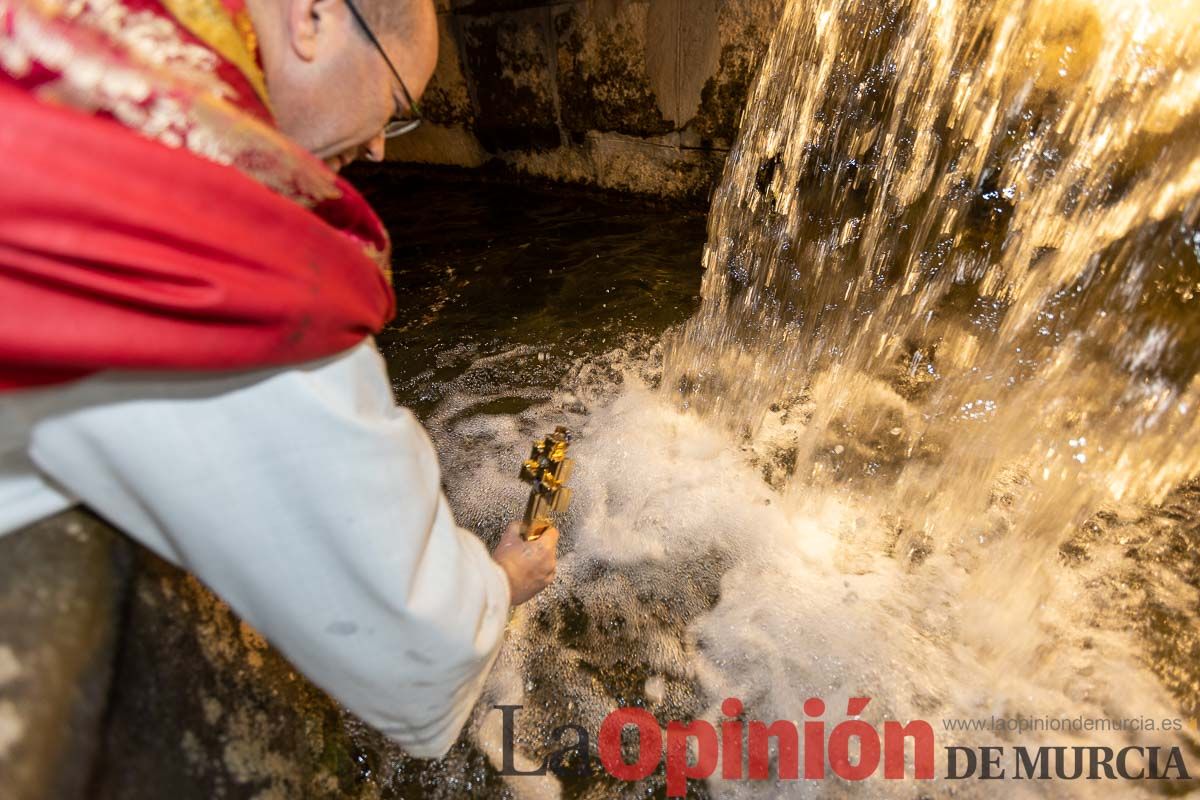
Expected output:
(332, 90)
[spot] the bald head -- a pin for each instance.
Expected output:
(330, 88)
(408, 30)
(402, 18)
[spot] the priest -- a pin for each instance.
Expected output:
(188, 293)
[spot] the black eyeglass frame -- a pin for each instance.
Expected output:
(396, 126)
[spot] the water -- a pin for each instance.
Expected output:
(686, 578)
(521, 308)
(481, 269)
(951, 279)
(922, 440)
(987, 209)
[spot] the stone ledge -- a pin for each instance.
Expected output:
(62, 586)
(577, 91)
(203, 708)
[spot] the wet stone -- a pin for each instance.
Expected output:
(62, 583)
(509, 59)
(490, 6)
(447, 98)
(744, 28)
(1166, 540)
(602, 72)
(631, 95)
(203, 707)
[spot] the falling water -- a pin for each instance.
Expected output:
(911, 445)
(960, 237)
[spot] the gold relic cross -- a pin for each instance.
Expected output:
(548, 469)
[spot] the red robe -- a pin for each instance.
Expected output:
(151, 216)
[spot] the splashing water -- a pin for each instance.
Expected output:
(965, 234)
(685, 578)
(948, 319)
(990, 207)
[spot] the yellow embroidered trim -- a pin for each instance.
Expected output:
(231, 35)
(169, 92)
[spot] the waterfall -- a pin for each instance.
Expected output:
(910, 446)
(961, 236)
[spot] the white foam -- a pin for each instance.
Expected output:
(814, 599)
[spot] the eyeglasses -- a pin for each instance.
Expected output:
(397, 125)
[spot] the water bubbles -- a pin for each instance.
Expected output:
(977, 409)
(895, 391)
(1013, 220)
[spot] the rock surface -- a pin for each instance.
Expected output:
(62, 584)
(204, 708)
(641, 96)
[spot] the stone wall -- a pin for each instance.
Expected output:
(62, 592)
(640, 96)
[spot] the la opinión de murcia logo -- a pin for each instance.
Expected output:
(743, 748)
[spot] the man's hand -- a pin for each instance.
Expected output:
(530, 566)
